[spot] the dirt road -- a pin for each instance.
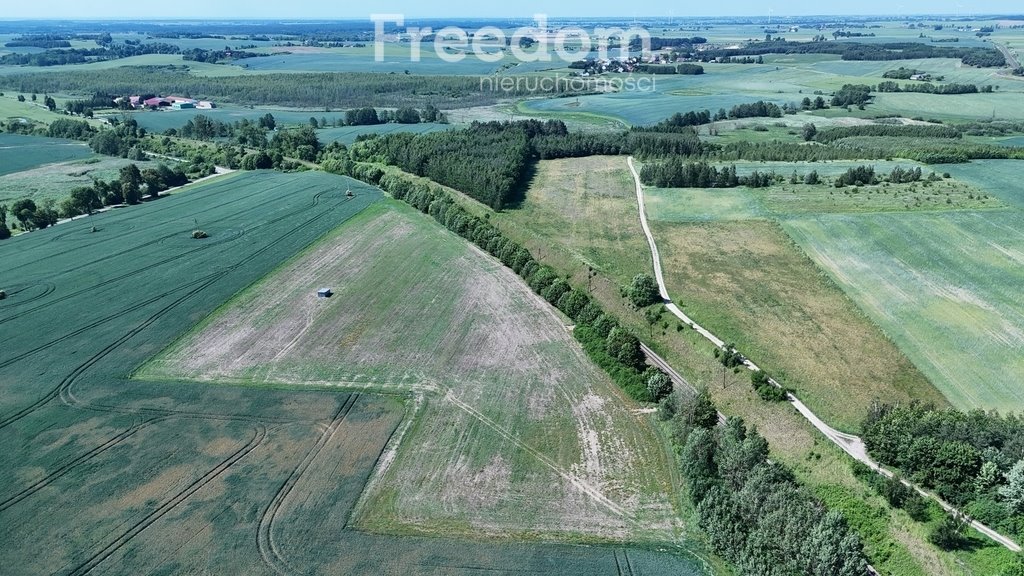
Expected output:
(849, 443)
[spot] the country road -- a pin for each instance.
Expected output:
(849, 443)
(1011, 60)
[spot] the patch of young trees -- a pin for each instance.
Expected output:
(487, 161)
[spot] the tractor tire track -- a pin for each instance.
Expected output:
(74, 463)
(258, 437)
(204, 283)
(204, 246)
(135, 247)
(268, 549)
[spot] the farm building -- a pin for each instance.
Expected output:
(324, 293)
(183, 105)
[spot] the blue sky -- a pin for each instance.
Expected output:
(306, 9)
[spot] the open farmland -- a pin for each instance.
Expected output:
(517, 431)
(104, 473)
(945, 287)
(579, 215)
(19, 152)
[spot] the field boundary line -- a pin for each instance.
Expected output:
(849, 443)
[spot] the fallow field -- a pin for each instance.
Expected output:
(515, 430)
(945, 287)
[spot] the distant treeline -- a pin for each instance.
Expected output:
(38, 42)
(929, 88)
(681, 122)
(307, 90)
(659, 43)
(215, 56)
(985, 57)
(684, 69)
(83, 55)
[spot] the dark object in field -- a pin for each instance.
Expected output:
(324, 293)
(199, 234)
(93, 229)
(350, 194)
(3, 295)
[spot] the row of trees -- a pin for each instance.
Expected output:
(975, 460)
(129, 188)
(929, 88)
(754, 511)
(677, 173)
(830, 135)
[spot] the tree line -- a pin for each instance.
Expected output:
(971, 56)
(676, 173)
(929, 88)
(132, 185)
(60, 57)
(756, 514)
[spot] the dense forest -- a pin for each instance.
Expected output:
(985, 57)
(311, 90)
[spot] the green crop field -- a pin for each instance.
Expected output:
(945, 287)
(107, 472)
(19, 152)
(55, 181)
(1001, 178)
(517, 432)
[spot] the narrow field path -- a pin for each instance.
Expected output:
(849, 443)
